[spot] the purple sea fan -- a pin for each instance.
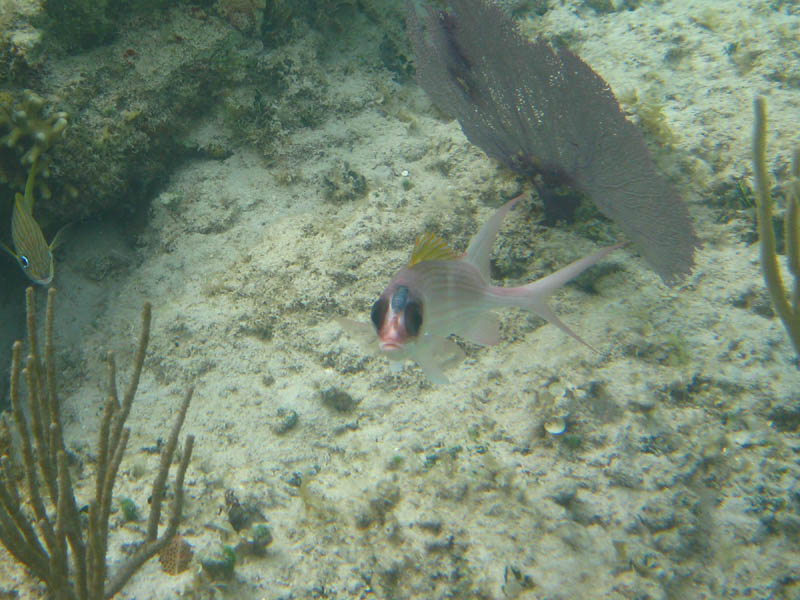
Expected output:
(544, 113)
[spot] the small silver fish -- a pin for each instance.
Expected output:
(441, 293)
(32, 252)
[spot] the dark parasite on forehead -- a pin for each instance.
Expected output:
(399, 298)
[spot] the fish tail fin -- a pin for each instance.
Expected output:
(58, 238)
(549, 284)
(542, 310)
(533, 296)
(481, 245)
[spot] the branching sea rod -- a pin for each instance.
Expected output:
(41, 527)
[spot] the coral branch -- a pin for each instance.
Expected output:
(787, 306)
(68, 557)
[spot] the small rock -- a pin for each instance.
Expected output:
(555, 425)
(338, 400)
(343, 184)
(256, 540)
(221, 565)
(285, 421)
(241, 515)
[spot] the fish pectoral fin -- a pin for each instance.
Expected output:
(9, 250)
(481, 329)
(362, 333)
(435, 354)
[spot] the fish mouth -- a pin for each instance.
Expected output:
(391, 339)
(391, 347)
(45, 281)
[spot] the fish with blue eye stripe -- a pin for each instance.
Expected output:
(441, 292)
(33, 253)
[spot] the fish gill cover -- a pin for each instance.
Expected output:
(544, 113)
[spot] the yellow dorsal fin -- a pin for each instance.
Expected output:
(430, 246)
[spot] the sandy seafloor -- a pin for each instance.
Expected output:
(677, 475)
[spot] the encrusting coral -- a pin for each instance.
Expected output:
(786, 305)
(45, 530)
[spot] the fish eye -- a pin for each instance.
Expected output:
(413, 316)
(23, 260)
(378, 311)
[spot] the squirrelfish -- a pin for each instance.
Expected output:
(33, 253)
(441, 293)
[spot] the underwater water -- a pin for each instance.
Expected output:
(260, 170)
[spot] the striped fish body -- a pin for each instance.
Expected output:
(31, 250)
